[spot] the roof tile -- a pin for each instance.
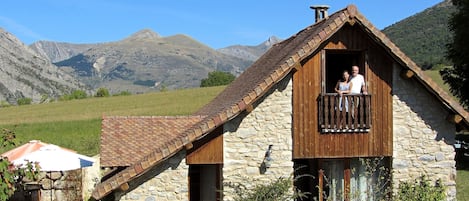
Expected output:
(126, 139)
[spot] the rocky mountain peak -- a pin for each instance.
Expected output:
(144, 34)
(271, 41)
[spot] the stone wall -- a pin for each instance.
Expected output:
(64, 185)
(165, 182)
(247, 138)
(422, 137)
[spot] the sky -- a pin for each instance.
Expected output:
(216, 23)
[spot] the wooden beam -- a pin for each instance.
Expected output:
(189, 146)
(297, 67)
(123, 187)
(407, 74)
(454, 118)
(249, 108)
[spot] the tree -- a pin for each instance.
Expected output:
(217, 78)
(12, 178)
(102, 92)
(457, 76)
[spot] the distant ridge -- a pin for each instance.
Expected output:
(26, 74)
(58, 51)
(145, 62)
(251, 53)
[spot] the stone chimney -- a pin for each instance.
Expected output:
(320, 12)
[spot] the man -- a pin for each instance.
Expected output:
(358, 82)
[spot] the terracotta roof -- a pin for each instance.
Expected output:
(124, 140)
(255, 81)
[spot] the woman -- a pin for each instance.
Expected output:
(343, 86)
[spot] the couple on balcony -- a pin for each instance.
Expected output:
(350, 85)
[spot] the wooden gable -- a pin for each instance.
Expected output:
(310, 81)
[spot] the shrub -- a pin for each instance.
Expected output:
(123, 93)
(102, 92)
(421, 189)
(24, 101)
(77, 94)
(4, 104)
(280, 189)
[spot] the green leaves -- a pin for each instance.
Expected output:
(421, 189)
(217, 78)
(11, 177)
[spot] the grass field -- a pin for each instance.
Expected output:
(76, 124)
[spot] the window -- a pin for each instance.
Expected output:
(364, 179)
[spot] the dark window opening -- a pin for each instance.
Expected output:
(205, 182)
(336, 62)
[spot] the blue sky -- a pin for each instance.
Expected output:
(217, 23)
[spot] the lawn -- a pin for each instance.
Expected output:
(462, 185)
(76, 124)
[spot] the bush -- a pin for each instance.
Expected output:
(280, 189)
(24, 101)
(77, 94)
(102, 92)
(421, 189)
(4, 104)
(123, 93)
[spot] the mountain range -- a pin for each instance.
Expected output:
(26, 74)
(146, 61)
(142, 62)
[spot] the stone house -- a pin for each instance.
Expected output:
(280, 117)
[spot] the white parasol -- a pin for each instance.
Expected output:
(54, 158)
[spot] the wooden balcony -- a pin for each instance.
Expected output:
(344, 114)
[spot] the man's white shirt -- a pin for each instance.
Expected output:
(357, 83)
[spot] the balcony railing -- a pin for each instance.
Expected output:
(346, 113)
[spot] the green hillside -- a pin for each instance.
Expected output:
(423, 36)
(77, 124)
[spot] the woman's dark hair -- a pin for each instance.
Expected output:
(342, 76)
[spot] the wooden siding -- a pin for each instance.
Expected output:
(207, 152)
(308, 141)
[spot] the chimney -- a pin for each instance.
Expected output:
(320, 12)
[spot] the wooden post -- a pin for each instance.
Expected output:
(454, 118)
(124, 187)
(407, 74)
(347, 176)
(321, 184)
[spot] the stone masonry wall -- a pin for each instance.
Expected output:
(247, 138)
(169, 184)
(422, 137)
